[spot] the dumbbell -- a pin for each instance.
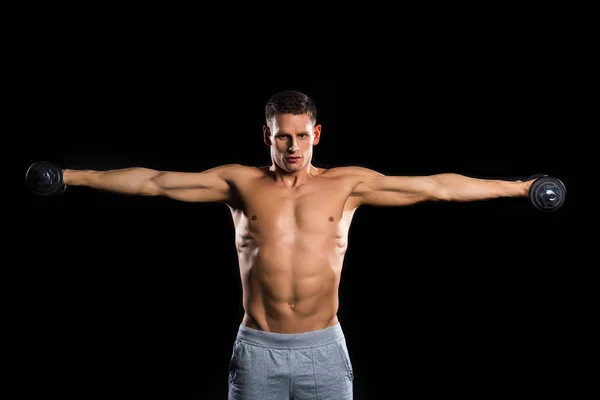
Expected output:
(547, 193)
(44, 178)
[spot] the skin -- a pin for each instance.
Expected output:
(292, 219)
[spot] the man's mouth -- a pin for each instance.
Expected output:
(293, 159)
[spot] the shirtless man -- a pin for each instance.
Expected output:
(292, 221)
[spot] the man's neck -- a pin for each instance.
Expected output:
(296, 178)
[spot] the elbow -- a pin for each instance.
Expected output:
(441, 193)
(151, 186)
(149, 190)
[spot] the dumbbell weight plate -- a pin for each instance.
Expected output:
(44, 178)
(547, 193)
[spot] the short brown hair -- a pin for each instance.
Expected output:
(291, 102)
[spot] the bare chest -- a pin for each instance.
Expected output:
(312, 209)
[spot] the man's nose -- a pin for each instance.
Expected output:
(293, 147)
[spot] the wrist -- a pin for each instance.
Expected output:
(74, 177)
(527, 185)
(67, 177)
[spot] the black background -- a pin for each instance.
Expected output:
(141, 296)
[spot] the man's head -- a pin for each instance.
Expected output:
(291, 129)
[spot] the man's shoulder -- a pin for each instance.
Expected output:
(244, 171)
(351, 170)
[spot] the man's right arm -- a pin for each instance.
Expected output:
(212, 185)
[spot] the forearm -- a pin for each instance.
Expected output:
(125, 181)
(458, 187)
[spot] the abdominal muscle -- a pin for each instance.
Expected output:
(290, 281)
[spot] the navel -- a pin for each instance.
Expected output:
(254, 217)
(291, 305)
(331, 218)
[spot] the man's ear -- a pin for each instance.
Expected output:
(316, 134)
(267, 135)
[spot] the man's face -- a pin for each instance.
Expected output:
(291, 138)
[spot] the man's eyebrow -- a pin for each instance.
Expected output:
(288, 134)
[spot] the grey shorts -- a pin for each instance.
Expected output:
(282, 366)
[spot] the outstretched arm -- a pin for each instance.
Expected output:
(381, 190)
(212, 185)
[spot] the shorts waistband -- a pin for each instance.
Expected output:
(291, 340)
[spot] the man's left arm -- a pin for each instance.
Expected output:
(383, 190)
